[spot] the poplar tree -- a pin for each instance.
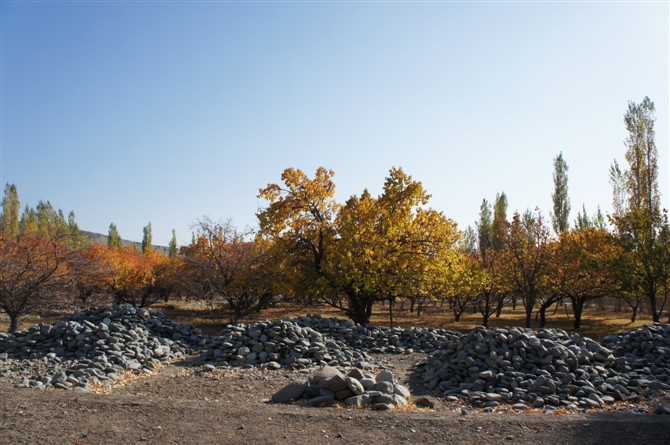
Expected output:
(172, 248)
(641, 228)
(113, 237)
(484, 228)
(500, 223)
(10, 211)
(146, 238)
(561, 212)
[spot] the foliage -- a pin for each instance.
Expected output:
(33, 272)
(561, 201)
(237, 267)
(368, 250)
(641, 229)
(113, 236)
(146, 238)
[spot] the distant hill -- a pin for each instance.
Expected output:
(99, 238)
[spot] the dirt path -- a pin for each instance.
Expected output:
(179, 405)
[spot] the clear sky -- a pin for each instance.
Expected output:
(130, 112)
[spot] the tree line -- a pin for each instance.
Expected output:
(388, 248)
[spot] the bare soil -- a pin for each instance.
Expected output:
(181, 404)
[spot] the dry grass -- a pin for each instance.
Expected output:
(595, 323)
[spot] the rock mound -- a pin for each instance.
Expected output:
(279, 344)
(528, 368)
(95, 347)
(646, 350)
(380, 339)
(330, 386)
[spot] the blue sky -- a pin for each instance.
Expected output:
(167, 111)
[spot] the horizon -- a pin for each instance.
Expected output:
(166, 112)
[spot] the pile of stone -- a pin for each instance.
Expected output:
(95, 348)
(330, 386)
(518, 366)
(646, 350)
(279, 344)
(380, 339)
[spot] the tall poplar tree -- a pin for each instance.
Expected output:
(146, 238)
(561, 211)
(500, 224)
(484, 228)
(10, 211)
(641, 228)
(113, 237)
(172, 248)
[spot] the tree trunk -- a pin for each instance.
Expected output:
(360, 309)
(655, 316)
(485, 319)
(391, 303)
(411, 305)
(577, 309)
(528, 304)
(457, 316)
(543, 309)
(633, 317)
(14, 322)
(501, 301)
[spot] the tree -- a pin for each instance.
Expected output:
(527, 258)
(10, 211)
(146, 238)
(499, 231)
(300, 222)
(227, 264)
(639, 223)
(113, 237)
(561, 213)
(172, 248)
(484, 236)
(28, 222)
(490, 290)
(137, 279)
(368, 250)
(500, 225)
(586, 273)
(32, 272)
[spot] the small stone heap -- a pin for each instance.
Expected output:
(94, 347)
(330, 386)
(279, 344)
(380, 339)
(528, 368)
(646, 350)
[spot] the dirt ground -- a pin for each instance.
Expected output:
(185, 405)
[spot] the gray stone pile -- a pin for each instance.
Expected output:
(330, 386)
(645, 349)
(518, 366)
(279, 344)
(380, 339)
(94, 347)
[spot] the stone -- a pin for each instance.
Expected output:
(385, 387)
(384, 376)
(289, 393)
(335, 383)
(383, 406)
(322, 401)
(355, 386)
(401, 391)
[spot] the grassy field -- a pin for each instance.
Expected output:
(595, 323)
